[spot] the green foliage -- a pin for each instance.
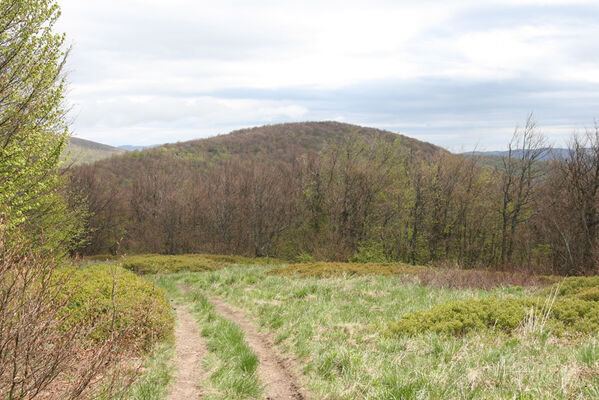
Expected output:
(573, 286)
(370, 252)
(460, 317)
(33, 123)
(332, 327)
(589, 354)
(95, 292)
(574, 310)
(157, 374)
(155, 263)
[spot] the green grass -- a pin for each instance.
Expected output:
(158, 373)
(335, 329)
(231, 363)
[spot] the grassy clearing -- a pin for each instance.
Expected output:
(231, 363)
(336, 328)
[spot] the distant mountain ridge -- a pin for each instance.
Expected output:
(285, 141)
(129, 147)
(279, 141)
(82, 151)
(549, 154)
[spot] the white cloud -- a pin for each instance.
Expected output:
(153, 69)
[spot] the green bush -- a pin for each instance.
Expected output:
(370, 252)
(459, 317)
(156, 263)
(573, 285)
(574, 310)
(142, 312)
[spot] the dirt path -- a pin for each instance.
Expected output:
(190, 349)
(274, 371)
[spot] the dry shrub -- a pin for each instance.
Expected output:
(41, 355)
(438, 277)
(329, 269)
(455, 278)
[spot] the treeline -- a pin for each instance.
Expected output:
(367, 199)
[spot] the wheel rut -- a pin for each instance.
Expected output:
(274, 371)
(190, 349)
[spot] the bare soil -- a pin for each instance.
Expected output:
(274, 371)
(190, 349)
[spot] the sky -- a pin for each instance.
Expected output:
(459, 74)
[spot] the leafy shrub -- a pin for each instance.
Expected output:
(140, 308)
(590, 294)
(573, 286)
(155, 263)
(459, 317)
(370, 252)
(304, 258)
(575, 310)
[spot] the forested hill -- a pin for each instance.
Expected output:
(332, 191)
(280, 142)
(198, 195)
(284, 141)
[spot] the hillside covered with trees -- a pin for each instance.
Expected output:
(332, 191)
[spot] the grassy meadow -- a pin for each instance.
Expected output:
(356, 334)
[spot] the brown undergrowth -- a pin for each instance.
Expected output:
(454, 278)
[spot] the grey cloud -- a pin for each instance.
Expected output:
(169, 56)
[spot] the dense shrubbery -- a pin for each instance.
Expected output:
(140, 308)
(67, 333)
(155, 263)
(459, 317)
(569, 307)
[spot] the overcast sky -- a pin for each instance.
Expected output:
(455, 73)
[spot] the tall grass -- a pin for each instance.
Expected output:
(333, 327)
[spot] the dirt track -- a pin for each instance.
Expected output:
(189, 352)
(274, 371)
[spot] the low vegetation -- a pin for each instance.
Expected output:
(155, 263)
(231, 364)
(338, 327)
(439, 277)
(70, 331)
(157, 374)
(570, 308)
(329, 269)
(112, 299)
